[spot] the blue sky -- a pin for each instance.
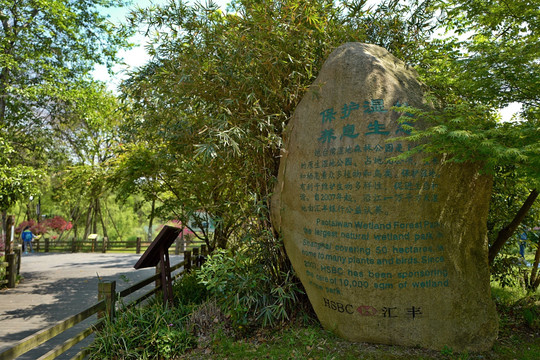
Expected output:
(136, 56)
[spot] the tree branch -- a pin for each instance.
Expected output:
(508, 230)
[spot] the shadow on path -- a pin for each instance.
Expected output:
(56, 286)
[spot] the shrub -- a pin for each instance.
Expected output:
(208, 320)
(151, 331)
(506, 269)
(189, 291)
(529, 308)
(148, 332)
(245, 290)
(58, 224)
(36, 228)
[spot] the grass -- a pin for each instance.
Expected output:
(312, 342)
(519, 339)
(203, 332)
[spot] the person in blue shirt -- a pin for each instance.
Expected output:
(27, 236)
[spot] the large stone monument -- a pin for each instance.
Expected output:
(389, 251)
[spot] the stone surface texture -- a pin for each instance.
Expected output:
(389, 251)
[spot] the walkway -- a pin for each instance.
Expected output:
(56, 286)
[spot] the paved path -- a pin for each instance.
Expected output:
(56, 286)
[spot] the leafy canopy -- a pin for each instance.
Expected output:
(213, 102)
(16, 182)
(487, 59)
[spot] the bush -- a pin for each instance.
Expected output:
(143, 333)
(35, 228)
(529, 308)
(189, 291)
(245, 290)
(506, 269)
(151, 331)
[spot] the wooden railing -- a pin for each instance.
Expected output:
(12, 255)
(103, 245)
(4, 272)
(105, 307)
(12, 267)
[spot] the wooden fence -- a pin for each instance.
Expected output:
(3, 273)
(105, 307)
(12, 256)
(10, 268)
(104, 245)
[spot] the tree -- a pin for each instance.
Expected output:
(86, 129)
(492, 62)
(16, 182)
(46, 48)
(214, 101)
(510, 192)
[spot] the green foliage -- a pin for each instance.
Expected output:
(44, 48)
(189, 291)
(47, 50)
(493, 63)
(519, 317)
(17, 182)
(150, 331)
(507, 269)
(470, 133)
(531, 314)
(87, 130)
(220, 88)
(121, 219)
(486, 59)
(312, 342)
(246, 291)
(143, 333)
(447, 351)
(498, 61)
(510, 190)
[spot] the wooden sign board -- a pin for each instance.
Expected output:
(163, 240)
(158, 253)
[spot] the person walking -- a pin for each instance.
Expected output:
(27, 236)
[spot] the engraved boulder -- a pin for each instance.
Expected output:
(389, 251)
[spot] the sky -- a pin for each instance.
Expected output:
(137, 56)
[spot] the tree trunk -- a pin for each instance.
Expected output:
(88, 222)
(4, 78)
(220, 236)
(38, 210)
(28, 211)
(4, 228)
(113, 223)
(508, 230)
(151, 221)
(100, 213)
(75, 218)
(534, 280)
(96, 216)
(75, 232)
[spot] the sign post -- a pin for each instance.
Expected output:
(157, 254)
